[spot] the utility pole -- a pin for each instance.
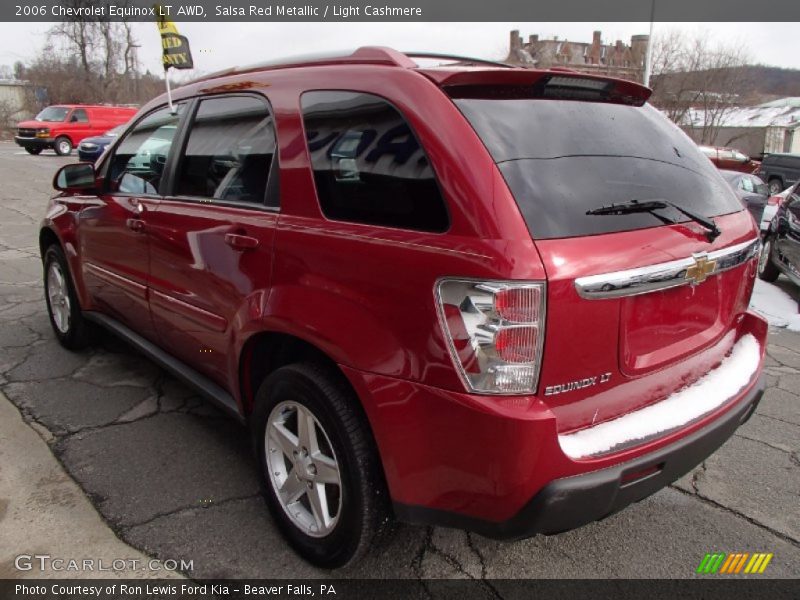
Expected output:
(649, 54)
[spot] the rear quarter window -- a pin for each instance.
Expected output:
(368, 165)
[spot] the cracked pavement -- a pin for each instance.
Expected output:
(174, 478)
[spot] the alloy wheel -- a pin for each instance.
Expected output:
(64, 147)
(303, 469)
(58, 294)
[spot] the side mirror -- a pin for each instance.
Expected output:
(78, 177)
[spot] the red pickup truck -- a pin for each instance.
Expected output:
(731, 159)
(62, 127)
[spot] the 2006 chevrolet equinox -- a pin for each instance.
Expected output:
(508, 300)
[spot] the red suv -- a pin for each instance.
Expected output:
(62, 127)
(507, 300)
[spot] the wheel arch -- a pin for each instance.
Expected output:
(60, 230)
(48, 237)
(266, 351)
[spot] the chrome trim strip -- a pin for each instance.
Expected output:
(134, 288)
(662, 276)
(194, 313)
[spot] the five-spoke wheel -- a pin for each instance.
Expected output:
(66, 318)
(58, 295)
(322, 478)
(303, 469)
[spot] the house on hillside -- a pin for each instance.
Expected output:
(755, 130)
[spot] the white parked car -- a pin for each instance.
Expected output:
(772, 206)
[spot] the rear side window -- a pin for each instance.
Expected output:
(562, 158)
(368, 165)
(230, 151)
(79, 116)
(137, 165)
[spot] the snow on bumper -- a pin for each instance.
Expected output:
(706, 394)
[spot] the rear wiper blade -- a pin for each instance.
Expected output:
(635, 206)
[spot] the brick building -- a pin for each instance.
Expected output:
(617, 60)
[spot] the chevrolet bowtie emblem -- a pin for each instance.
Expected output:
(701, 269)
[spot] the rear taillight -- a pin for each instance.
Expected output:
(495, 332)
(774, 200)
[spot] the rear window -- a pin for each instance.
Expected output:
(562, 158)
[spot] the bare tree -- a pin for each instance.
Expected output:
(694, 72)
(89, 60)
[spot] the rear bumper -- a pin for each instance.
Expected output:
(571, 502)
(497, 466)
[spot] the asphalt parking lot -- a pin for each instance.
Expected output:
(174, 478)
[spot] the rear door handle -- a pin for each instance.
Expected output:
(136, 225)
(241, 242)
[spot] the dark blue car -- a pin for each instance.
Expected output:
(90, 149)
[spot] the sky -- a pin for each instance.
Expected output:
(220, 45)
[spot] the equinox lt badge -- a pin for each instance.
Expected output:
(552, 390)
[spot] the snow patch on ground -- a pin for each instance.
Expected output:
(775, 305)
(706, 394)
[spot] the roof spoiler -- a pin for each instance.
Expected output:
(531, 83)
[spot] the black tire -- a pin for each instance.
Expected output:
(363, 512)
(77, 334)
(767, 271)
(62, 145)
(33, 151)
(775, 186)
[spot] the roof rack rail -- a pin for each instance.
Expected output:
(466, 59)
(379, 55)
(364, 55)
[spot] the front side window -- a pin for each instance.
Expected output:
(53, 114)
(138, 162)
(230, 151)
(368, 165)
